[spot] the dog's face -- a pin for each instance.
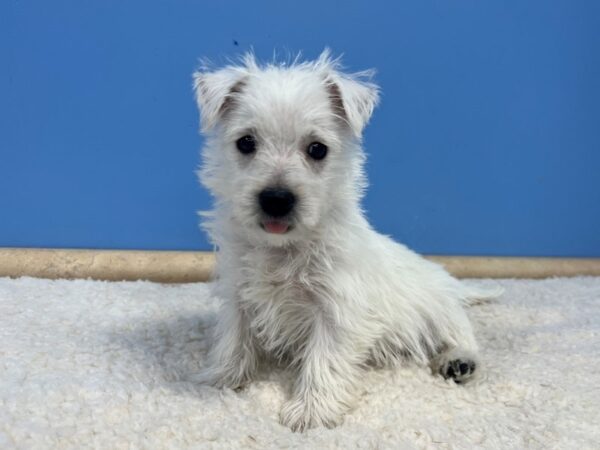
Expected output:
(282, 153)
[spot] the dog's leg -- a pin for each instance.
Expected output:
(326, 385)
(232, 360)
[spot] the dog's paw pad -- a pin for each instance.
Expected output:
(460, 370)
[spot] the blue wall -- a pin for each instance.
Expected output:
(487, 140)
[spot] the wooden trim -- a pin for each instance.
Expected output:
(517, 267)
(161, 266)
(187, 266)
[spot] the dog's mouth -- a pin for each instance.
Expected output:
(276, 226)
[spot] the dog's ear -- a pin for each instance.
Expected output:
(354, 97)
(215, 94)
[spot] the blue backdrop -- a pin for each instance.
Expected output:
(487, 140)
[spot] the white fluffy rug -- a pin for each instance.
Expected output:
(103, 365)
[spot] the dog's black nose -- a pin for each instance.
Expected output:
(276, 202)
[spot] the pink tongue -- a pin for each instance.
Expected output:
(275, 226)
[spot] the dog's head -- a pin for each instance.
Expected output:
(283, 156)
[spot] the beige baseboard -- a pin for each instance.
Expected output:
(184, 267)
(161, 266)
(517, 267)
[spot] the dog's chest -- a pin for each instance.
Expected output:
(280, 298)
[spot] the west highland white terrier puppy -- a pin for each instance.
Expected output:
(303, 277)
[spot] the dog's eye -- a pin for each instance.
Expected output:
(317, 151)
(246, 144)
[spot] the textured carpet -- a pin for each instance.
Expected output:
(103, 365)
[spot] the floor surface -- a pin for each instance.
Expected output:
(91, 364)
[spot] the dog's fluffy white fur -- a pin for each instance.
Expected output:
(324, 292)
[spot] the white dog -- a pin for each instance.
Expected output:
(303, 276)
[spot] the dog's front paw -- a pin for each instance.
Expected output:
(215, 377)
(300, 416)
